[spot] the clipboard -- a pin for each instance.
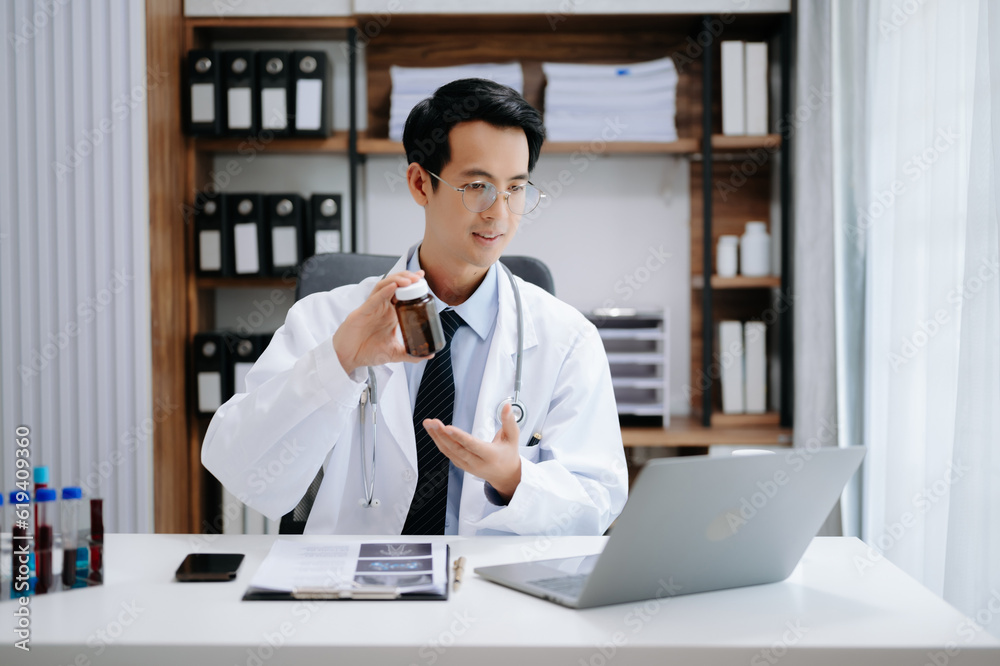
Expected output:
(373, 575)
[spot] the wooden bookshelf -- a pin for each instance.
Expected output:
(738, 282)
(370, 146)
(727, 142)
(184, 303)
(246, 283)
(336, 143)
(686, 431)
(251, 28)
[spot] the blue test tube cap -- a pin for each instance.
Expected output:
(45, 495)
(1, 499)
(42, 474)
(72, 492)
(19, 497)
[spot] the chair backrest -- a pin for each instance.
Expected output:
(324, 272)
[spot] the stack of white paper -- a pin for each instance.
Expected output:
(635, 102)
(411, 85)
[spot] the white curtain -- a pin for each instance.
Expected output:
(924, 215)
(74, 251)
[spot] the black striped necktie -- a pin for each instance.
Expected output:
(435, 400)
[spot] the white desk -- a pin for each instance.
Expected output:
(839, 615)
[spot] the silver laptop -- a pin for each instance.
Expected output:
(696, 524)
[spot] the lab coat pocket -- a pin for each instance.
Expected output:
(529, 453)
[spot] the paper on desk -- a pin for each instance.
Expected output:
(412, 567)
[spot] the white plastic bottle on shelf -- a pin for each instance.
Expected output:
(755, 250)
(726, 256)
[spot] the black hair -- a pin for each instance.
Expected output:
(426, 133)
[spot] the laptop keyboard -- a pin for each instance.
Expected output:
(571, 585)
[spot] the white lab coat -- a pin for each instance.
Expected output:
(301, 408)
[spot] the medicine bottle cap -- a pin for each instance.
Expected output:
(418, 289)
(42, 474)
(45, 495)
(72, 492)
(729, 240)
(756, 227)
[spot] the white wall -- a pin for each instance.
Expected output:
(74, 250)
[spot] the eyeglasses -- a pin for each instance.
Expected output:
(480, 195)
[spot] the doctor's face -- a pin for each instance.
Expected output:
(455, 236)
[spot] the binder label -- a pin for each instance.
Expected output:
(308, 104)
(210, 250)
(209, 391)
(203, 102)
(273, 108)
(284, 246)
(239, 108)
(247, 253)
(327, 241)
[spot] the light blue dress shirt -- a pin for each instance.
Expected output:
(469, 349)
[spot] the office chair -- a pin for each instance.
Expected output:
(324, 272)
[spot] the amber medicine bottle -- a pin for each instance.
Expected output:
(419, 321)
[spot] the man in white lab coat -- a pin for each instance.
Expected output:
(471, 148)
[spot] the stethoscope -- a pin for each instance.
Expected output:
(370, 397)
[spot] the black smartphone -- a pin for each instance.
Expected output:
(209, 567)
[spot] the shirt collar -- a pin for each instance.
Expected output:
(479, 311)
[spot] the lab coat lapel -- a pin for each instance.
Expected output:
(497, 385)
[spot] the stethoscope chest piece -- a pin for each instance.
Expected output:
(516, 406)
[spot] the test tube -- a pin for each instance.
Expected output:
(96, 575)
(69, 526)
(44, 538)
(41, 479)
